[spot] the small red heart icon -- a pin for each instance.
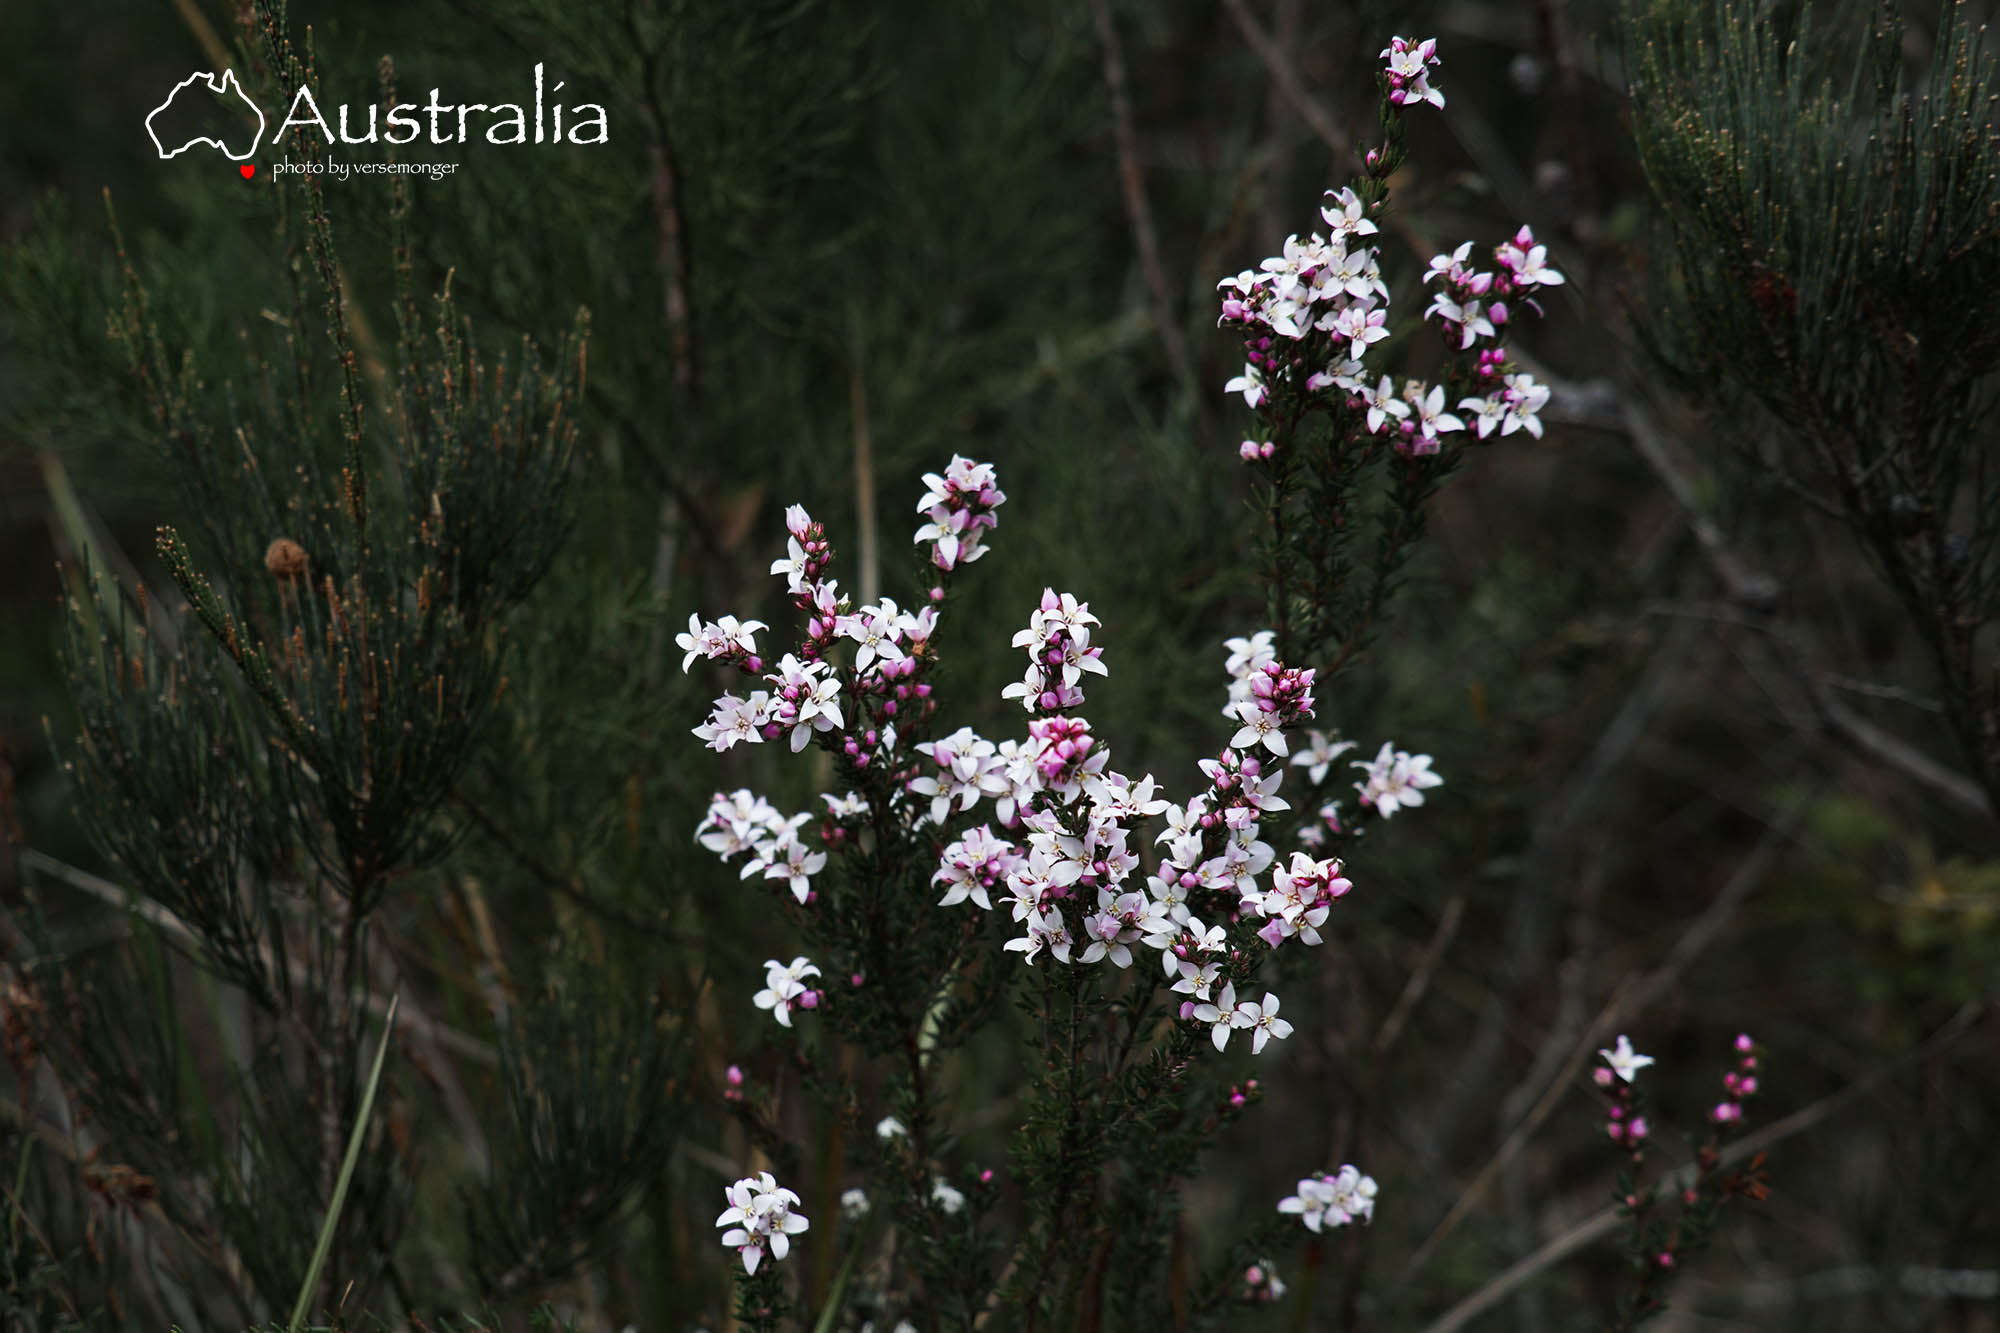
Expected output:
(247, 170)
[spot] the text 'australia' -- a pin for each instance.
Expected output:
(502, 122)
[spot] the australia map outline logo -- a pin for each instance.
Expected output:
(222, 87)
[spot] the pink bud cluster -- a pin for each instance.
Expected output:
(1738, 1084)
(1284, 691)
(1623, 1126)
(1065, 746)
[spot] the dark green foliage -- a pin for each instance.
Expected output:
(1839, 238)
(588, 1078)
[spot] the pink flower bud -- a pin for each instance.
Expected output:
(1743, 1042)
(734, 1075)
(1602, 1076)
(1666, 1258)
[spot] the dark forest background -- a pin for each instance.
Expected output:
(1714, 763)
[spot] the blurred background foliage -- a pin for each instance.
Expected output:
(1705, 771)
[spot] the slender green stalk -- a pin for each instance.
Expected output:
(311, 1284)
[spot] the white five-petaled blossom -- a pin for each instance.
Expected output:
(1332, 1200)
(874, 630)
(854, 1204)
(1432, 420)
(1250, 384)
(1321, 751)
(1223, 1015)
(888, 1127)
(1360, 323)
(761, 1217)
(1259, 728)
(784, 986)
(1383, 404)
(1343, 212)
(945, 1197)
(1263, 1022)
(1527, 261)
(1624, 1061)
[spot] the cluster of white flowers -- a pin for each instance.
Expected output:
(727, 639)
(1310, 314)
(1225, 1015)
(1326, 285)
(1063, 850)
(1328, 304)
(760, 1217)
(967, 767)
(805, 698)
(1395, 780)
(1332, 1200)
(1059, 652)
(744, 822)
(1410, 64)
(785, 989)
(959, 505)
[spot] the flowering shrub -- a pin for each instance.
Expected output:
(1137, 922)
(1667, 1226)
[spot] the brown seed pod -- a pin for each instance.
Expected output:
(285, 558)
